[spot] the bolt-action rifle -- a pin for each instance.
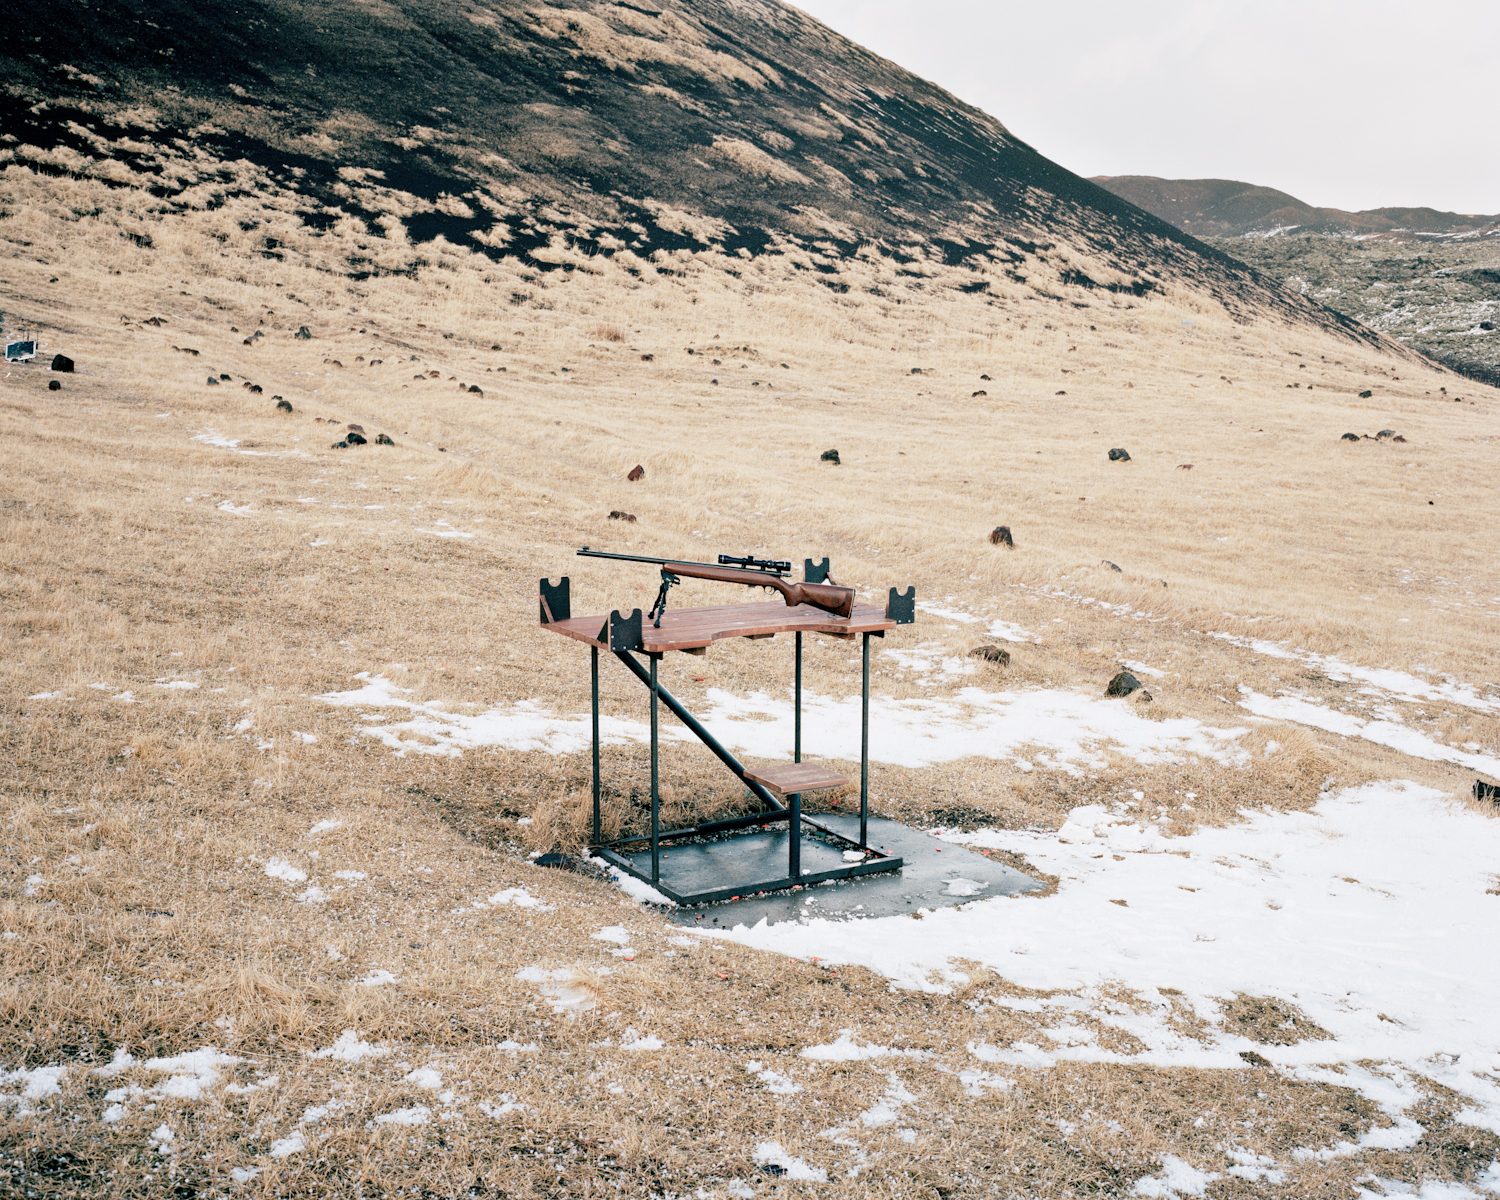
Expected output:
(754, 572)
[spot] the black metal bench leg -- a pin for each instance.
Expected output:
(655, 792)
(794, 805)
(797, 706)
(864, 749)
(794, 828)
(594, 657)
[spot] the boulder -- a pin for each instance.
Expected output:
(283, 406)
(1104, 562)
(383, 439)
(54, 386)
(355, 439)
(1000, 536)
(356, 428)
(1119, 454)
(1123, 684)
(994, 654)
(212, 382)
(475, 390)
(980, 392)
(1349, 437)
(617, 515)
(637, 473)
(1386, 433)
(339, 446)
(61, 362)
(830, 456)
(1486, 791)
(1365, 395)
(304, 333)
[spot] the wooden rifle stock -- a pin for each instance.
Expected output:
(829, 597)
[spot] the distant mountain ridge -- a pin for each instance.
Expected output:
(1219, 208)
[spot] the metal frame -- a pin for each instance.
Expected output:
(623, 636)
(774, 814)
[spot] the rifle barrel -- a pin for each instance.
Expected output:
(667, 562)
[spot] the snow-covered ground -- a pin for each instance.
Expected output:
(1053, 727)
(1376, 914)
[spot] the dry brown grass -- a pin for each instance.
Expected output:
(132, 553)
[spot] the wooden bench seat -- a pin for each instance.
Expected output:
(795, 778)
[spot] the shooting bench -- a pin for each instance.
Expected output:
(776, 848)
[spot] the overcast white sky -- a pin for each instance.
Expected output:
(1347, 105)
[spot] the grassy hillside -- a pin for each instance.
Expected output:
(283, 733)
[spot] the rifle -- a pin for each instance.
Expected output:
(755, 572)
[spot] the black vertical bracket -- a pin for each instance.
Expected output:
(557, 604)
(815, 572)
(625, 632)
(900, 608)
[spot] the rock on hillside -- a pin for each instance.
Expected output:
(565, 132)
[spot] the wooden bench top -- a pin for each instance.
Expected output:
(695, 628)
(796, 777)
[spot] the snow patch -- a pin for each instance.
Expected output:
(1383, 732)
(562, 988)
(776, 1083)
(520, 898)
(773, 1154)
(1052, 727)
(348, 1047)
(279, 868)
(846, 1049)
(1177, 1178)
(418, 1114)
(1356, 912)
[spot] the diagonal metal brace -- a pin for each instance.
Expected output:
(697, 730)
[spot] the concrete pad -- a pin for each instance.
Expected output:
(934, 874)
